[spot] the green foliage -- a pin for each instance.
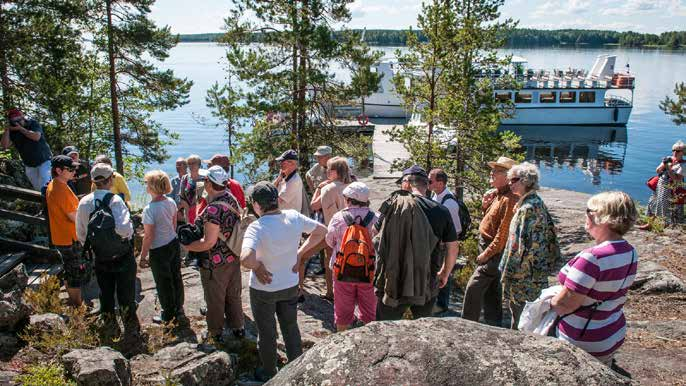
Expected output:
(51, 374)
(80, 332)
(655, 224)
(676, 109)
(46, 298)
(288, 75)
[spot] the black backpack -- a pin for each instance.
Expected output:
(465, 217)
(102, 239)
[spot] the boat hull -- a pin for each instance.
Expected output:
(575, 116)
(385, 111)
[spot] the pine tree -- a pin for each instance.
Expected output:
(676, 109)
(125, 35)
(288, 75)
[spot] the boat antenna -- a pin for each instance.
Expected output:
(628, 68)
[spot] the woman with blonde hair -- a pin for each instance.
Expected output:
(532, 251)
(328, 197)
(161, 250)
(595, 282)
(671, 176)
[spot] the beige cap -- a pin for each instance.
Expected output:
(101, 171)
(323, 150)
(502, 162)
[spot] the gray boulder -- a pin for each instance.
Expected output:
(446, 351)
(16, 278)
(9, 345)
(102, 366)
(8, 378)
(653, 278)
(47, 322)
(13, 310)
(185, 363)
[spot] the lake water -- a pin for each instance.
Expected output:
(586, 159)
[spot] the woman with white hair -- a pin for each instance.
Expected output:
(532, 251)
(662, 203)
(595, 282)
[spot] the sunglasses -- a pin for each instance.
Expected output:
(589, 211)
(514, 180)
(69, 168)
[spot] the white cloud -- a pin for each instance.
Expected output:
(638, 8)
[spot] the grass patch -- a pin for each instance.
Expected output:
(45, 298)
(51, 374)
(80, 332)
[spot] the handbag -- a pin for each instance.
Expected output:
(235, 240)
(652, 182)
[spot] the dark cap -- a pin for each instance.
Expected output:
(264, 193)
(70, 149)
(414, 170)
(62, 161)
(288, 155)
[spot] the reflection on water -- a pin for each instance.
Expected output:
(593, 151)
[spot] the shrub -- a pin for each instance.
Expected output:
(656, 224)
(80, 332)
(46, 298)
(469, 249)
(50, 374)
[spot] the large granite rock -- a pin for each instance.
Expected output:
(102, 366)
(653, 278)
(447, 351)
(9, 345)
(185, 363)
(13, 310)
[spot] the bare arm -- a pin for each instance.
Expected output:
(32, 135)
(316, 203)
(148, 238)
(567, 301)
(72, 216)
(316, 238)
(249, 260)
(5, 142)
(208, 240)
(449, 262)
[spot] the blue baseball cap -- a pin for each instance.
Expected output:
(414, 170)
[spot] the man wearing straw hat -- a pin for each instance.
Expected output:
(484, 285)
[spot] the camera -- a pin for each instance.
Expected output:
(188, 233)
(667, 160)
(15, 122)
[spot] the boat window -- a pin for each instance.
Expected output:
(503, 97)
(522, 97)
(547, 97)
(567, 97)
(587, 97)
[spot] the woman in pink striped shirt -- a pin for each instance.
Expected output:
(596, 281)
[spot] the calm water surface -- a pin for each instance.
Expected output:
(586, 159)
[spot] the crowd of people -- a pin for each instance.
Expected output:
(379, 265)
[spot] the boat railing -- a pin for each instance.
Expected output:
(617, 101)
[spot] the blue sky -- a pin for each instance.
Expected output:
(652, 16)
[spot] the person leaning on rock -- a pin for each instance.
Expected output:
(410, 266)
(29, 139)
(484, 285)
(62, 206)
(270, 250)
(112, 247)
(220, 270)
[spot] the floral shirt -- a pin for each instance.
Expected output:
(532, 252)
(218, 212)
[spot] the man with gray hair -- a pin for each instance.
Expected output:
(317, 173)
(410, 266)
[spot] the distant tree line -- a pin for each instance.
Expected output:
(520, 37)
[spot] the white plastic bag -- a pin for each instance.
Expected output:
(537, 317)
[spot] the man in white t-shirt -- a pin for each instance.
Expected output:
(288, 183)
(270, 250)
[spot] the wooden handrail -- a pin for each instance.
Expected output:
(25, 218)
(13, 192)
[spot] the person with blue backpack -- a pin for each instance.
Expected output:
(104, 228)
(459, 213)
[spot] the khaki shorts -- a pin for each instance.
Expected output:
(77, 271)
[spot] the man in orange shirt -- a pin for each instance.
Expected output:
(62, 205)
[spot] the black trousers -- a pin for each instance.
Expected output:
(165, 263)
(119, 279)
(384, 312)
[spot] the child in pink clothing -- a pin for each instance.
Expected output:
(350, 294)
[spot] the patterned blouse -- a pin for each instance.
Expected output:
(532, 252)
(217, 212)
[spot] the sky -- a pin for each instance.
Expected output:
(648, 16)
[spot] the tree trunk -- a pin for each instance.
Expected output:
(116, 124)
(4, 77)
(302, 92)
(230, 128)
(294, 68)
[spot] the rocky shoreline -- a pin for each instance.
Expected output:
(654, 351)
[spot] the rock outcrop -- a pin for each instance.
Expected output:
(447, 351)
(14, 279)
(47, 322)
(13, 310)
(185, 363)
(102, 366)
(653, 278)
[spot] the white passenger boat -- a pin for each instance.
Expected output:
(601, 97)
